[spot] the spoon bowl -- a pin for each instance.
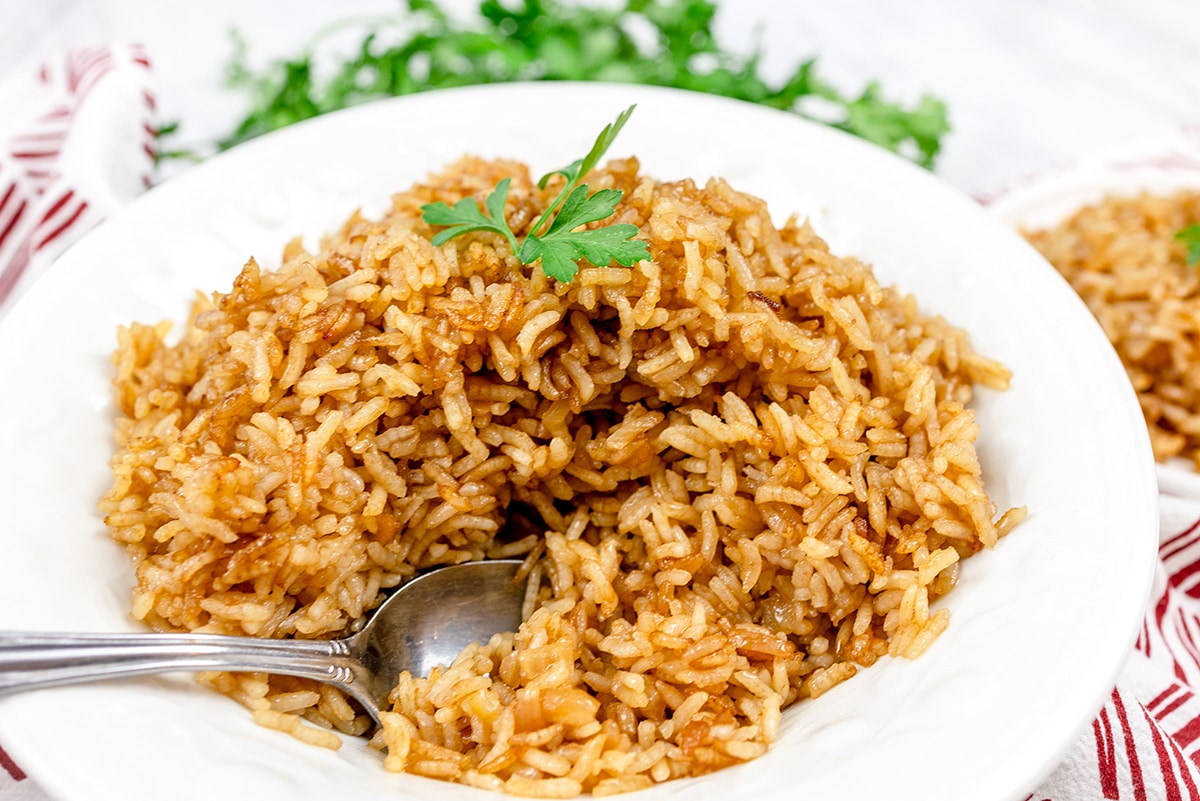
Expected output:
(427, 622)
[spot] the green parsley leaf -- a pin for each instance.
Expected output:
(892, 127)
(163, 153)
(465, 216)
(561, 246)
(558, 258)
(580, 167)
(1190, 237)
(581, 208)
(560, 254)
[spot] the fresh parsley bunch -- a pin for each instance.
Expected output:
(554, 238)
(524, 40)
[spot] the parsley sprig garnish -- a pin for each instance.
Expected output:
(1190, 237)
(554, 239)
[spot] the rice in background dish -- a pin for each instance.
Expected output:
(1122, 257)
(737, 473)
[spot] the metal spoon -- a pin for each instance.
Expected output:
(426, 622)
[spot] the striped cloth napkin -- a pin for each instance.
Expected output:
(76, 144)
(1145, 743)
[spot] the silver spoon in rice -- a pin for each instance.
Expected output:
(427, 622)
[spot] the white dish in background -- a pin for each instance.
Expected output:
(1040, 627)
(1159, 167)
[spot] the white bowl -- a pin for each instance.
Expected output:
(1040, 626)
(1158, 166)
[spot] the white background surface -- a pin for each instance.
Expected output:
(1030, 84)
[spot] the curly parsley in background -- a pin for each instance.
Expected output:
(658, 42)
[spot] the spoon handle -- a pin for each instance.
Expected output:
(29, 660)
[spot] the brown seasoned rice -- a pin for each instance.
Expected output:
(737, 473)
(1122, 257)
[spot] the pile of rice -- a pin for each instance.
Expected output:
(737, 473)
(1122, 257)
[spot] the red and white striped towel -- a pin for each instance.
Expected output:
(76, 144)
(1145, 743)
